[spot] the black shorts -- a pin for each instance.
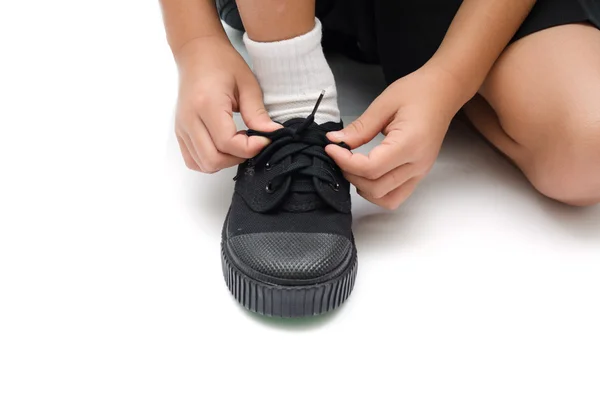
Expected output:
(402, 35)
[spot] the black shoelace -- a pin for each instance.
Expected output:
(302, 144)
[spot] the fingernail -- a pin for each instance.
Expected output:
(261, 139)
(274, 127)
(336, 135)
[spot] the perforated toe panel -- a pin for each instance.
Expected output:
(292, 256)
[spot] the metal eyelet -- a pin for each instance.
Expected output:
(268, 167)
(269, 188)
(335, 187)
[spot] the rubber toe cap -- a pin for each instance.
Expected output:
(291, 256)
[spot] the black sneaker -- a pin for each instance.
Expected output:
(287, 245)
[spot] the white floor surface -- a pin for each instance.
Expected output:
(110, 274)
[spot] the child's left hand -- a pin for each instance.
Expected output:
(414, 114)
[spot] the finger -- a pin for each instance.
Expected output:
(189, 145)
(367, 126)
(187, 157)
(252, 107)
(394, 199)
(382, 159)
(218, 119)
(210, 159)
(384, 185)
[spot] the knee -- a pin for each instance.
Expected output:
(566, 165)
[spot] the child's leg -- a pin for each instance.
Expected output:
(283, 39)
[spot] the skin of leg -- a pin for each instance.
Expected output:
(276, 20)
(540, 105)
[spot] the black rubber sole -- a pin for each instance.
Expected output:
(288, 301)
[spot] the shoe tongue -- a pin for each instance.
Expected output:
(306, 201)
(297, 192)
(302, 202)
(302, 196)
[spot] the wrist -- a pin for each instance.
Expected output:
(198, 47)
(449, 92)
(459, 87)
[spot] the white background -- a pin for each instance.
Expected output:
(110, 275)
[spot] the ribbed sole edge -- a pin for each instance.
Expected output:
(288, 301)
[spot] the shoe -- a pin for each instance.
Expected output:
(287, 245)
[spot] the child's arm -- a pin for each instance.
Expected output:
(414, 112)
(214, 82)
(187, 20)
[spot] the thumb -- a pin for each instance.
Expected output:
(363, 129)
(253, 110)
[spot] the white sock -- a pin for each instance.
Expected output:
(292, 73)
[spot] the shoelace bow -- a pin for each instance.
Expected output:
(302, 144)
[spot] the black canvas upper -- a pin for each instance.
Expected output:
(290, 218)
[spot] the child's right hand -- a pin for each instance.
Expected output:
(214, 82)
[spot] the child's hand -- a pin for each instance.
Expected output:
(215, 82)
(414, 113)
